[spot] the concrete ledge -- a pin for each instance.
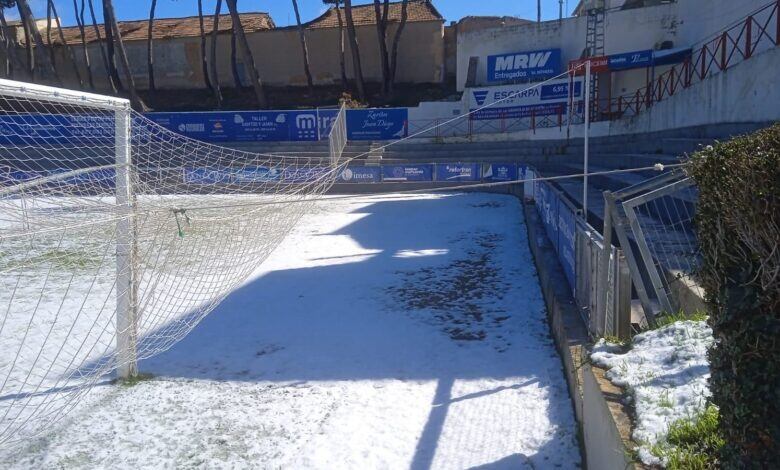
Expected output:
(604, 425)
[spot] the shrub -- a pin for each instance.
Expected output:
(738, 227)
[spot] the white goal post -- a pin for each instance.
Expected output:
(126, 287)
(118, 236)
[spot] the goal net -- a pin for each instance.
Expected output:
(117, 237)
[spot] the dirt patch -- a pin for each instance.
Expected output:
(463, 298)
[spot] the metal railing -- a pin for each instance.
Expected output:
(757, 32)
(337, 138)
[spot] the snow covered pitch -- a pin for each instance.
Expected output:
(384, 332)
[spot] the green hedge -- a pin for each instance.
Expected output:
(738, 226)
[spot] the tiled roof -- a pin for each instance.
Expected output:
(166, 28)
(364, 14)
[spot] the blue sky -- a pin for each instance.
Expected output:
(282, 12)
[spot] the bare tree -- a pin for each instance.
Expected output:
(353, 44)
(111, 25)
(302, 36)
(8, 40)
(150, 47)
(110, 48)
(381, 13)
(68, 49)
(203, 62)
(79, 13)
(213, 57)
(234, 60)
(249, 60)
(342, 59)
(32, 35)
(396, 42)
(115, 85)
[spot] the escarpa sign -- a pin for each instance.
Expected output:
(529, 65)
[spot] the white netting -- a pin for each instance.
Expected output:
(200, 219)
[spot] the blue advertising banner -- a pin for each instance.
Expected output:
(458, 172)
(377, 124)
(207, 175)
(56, 128)
(560, 225)
(529, 65)
(517, 112)
(361, 174)
(499, 172)
(566, 241)
(407, 173)
(243, 126)
(559, 91)
(325, 119)
(630, 60)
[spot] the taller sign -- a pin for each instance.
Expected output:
(529, 65)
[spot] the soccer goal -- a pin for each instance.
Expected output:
(117, 236)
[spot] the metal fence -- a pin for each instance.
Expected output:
(337, 138)
(654, 221)
(600, 278)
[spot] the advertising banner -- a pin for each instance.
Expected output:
(361, 174)
(597, 64)
(530, 65)
(407, 173)
(242, 126)
(567, 227)
(516, 101)
(458, 172)
(56, 129)
(631, 60)
(377, 124)
(499, 172)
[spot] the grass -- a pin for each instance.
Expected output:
(665, 318)
(692, 443)
(134, 380)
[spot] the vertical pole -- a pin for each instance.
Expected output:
(126, 282)
(748, 37)
(586, 94)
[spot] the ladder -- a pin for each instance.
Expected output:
(594, 47)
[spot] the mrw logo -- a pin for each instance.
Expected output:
(480, 96)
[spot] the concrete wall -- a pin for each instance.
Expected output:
(685, 23)
(278, 57)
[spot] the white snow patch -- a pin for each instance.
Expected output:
(339, 353)
(665, 373)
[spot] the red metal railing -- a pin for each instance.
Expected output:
(757, 32)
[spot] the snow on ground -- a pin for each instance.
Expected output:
(665, 373)
(385, 332)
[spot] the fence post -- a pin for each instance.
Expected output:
(560, 117)
(533, 120)
(703, 62)
(723, 39)
(748, 37)
(126, 281)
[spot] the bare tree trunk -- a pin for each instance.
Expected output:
(234, 61)
(111, 82)
(249, 60)
(71, 54)
(85, 50)
(150, 48)
(396, 42)
(305, 50)
(52, 59)
(213, 57)
(381, 32)
(108, 9)
(203, 62)
(31, 35)
(342, 59)
(110, 51)
(353, 44)
(9, 43)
